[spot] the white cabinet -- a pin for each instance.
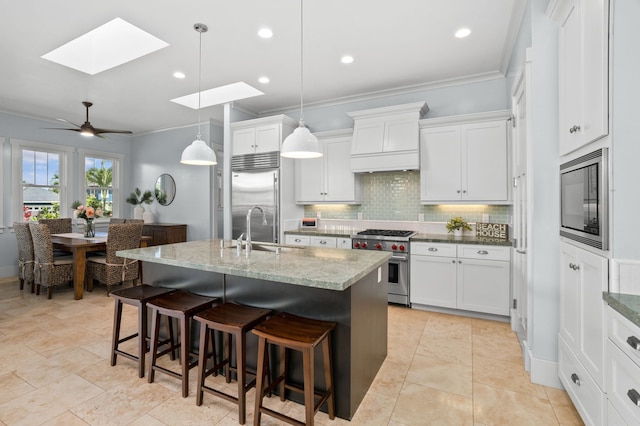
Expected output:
(465, 160)
(386, 138)
(623, 367)
(318, 241)
(343, 243)
(328, 179)
(583, 278)
(469, 277)
(583, 71)
(297, 240)
(326, 242)
(261, 134)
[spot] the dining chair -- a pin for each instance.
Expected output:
(47, 270)
(141, 221)
(116, 220)
(25, 254)
(58, 226)
(111, 269)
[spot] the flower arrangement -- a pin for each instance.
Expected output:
(458, 223)
(88, 213)
(138, 197)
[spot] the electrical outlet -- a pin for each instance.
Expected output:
(420, 217)
(485, 217)
(319, 215)
(359, 215)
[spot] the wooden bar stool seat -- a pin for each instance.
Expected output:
(302, 334)
(183, 306)
(232, 320)
(137, 296)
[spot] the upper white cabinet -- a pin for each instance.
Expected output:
(261, 134)
(583, 71)
(328, 179)
(386, 138)
(464, 158)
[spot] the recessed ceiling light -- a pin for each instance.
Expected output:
(265, 33)
(264, 80)
(179, 74)
(105, 47)
(219, 95)
(463, 32)
(346, 59)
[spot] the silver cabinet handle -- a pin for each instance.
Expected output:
(634, 396)
(433, 249)
(575, 379)
(574, 129)
(464, 191)
(634, 342)
(297, 240)
(458, 191)
(574, 266)
(323, 242)
(521, 251)
(453, 261)
(459, 261)
(483, 252)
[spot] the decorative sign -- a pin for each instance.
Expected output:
(492, 230)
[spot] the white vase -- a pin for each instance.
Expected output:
(148, 215)
(458, 232)
(138, 211)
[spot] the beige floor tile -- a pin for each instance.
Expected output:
(422, 405)
(12, 386)
(445, 348)
(147, 420)
(497, 347)
(65, 419)
(49, 370)
(449, 376)
(375, 409)
(176, 410)
(493, 328)
(505, 375)
(496, 406)
(565, 410)
(390, 378)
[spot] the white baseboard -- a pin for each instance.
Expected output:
(544, 372)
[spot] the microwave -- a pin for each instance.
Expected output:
(584, 199)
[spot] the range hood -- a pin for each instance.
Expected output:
(387, 139)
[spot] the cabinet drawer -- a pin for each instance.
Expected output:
(468, 251)
(434, 249)
(613, 417)
(624, 384)
(299, 240)
(583, 390)
(624, 334)
(327, 242)
(343, 243)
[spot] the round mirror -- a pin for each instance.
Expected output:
(165, 190)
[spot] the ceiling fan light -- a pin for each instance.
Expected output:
(87, 132)
(198, 154)
(301, 144)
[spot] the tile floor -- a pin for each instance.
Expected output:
(440, 370)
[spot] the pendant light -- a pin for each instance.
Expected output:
(199, 153)
(301, 143)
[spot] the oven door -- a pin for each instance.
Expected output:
(399, 279)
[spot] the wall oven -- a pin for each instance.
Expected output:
(584, 199)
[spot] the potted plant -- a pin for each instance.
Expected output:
(457, 225)
(137, 198)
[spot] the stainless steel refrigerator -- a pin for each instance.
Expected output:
(255, 182)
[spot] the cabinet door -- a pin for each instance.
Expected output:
(268, 138)
(570, 84)
(244, 141)
(344, 243)
(569, 294)
(340, 181)
(440, 164)
(484, 161)
(368, 137)
(326, 242)
(297, 240)
(401, 135)
(483, 286)
(433, 281)
(310, 181)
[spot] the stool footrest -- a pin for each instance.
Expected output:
(281, 417)
(323, 396)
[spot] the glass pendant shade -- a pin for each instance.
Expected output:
(198, 154)
(301, 144)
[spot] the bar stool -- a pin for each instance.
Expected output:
(302, 334)
(137, 296)
(183, 306)
(232, 320)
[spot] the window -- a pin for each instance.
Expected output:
(40, 180)
(101, 181)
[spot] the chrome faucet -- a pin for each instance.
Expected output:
(264, 222)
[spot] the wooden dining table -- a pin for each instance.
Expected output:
(79, 246)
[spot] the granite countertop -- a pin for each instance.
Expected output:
(628, 305)
(465, 239)
(332, 269)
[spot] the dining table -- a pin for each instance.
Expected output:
(79, 245)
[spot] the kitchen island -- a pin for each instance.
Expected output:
(348, 287)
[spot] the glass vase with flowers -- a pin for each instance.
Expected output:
(89, 213)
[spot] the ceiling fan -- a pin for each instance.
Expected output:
(86, 129)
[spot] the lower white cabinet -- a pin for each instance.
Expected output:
(623, 368)
(297, 240)
(327, 242)
(315, 241)
(470, 277)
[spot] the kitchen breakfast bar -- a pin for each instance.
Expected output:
(348, 287)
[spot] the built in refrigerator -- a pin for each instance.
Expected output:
(255, 182)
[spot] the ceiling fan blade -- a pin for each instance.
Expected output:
(68, 122)
(61, 128)
(98, 131)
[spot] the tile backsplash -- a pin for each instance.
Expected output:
(396, 196)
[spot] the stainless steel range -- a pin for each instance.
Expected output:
(396, 242)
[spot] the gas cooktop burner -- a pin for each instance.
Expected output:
(387, 233)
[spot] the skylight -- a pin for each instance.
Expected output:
(219, 95)
(112, 44)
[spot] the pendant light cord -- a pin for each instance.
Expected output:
(199, 80)
(301, 61)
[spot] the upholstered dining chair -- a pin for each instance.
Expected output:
(25, 254)
(47, 270)
(141, 221)
(116, 220)
(58, 226)
(111, 269)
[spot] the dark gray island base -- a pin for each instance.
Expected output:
(359, 342)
